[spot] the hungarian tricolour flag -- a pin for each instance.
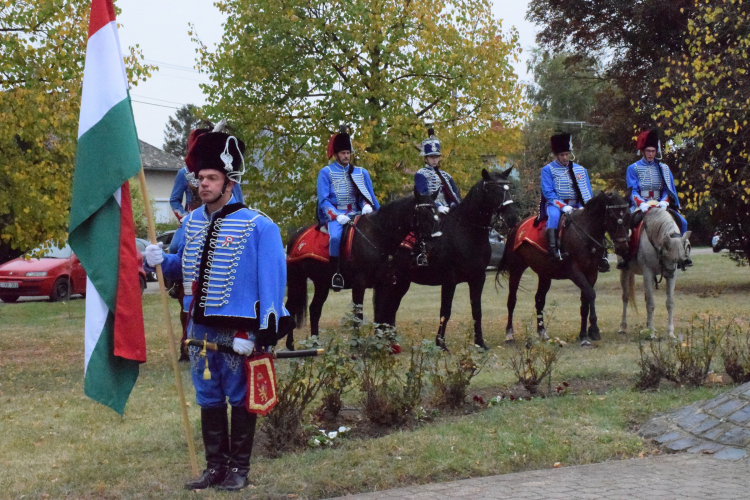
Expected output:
(102, 233)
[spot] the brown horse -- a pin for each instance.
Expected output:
(583, 239)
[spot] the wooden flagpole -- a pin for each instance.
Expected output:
(168, 322)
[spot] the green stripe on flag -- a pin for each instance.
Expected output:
(109, 378)
(107, 156)
(96, 243)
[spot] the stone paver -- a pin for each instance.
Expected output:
(682, 476)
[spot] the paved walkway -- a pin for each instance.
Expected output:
(667, 477)
(714, 433)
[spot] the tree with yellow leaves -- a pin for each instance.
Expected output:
(288, 73)
(42, 51)
(705, 96)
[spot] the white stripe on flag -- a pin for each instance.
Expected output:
(104, 78)
(96, 317)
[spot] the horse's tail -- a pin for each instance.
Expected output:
(296, 294)
(502, 266)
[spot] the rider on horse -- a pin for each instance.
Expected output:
(343, 191)
(431, 178)
(565, 187)
(649, 179)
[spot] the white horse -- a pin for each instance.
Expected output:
(661, 251)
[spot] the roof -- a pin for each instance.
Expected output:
(154, 158)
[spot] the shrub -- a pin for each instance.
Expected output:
(451, 373)
(337, 373)
(534, 362)
(736, 353)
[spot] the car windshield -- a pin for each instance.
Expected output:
(52, 253)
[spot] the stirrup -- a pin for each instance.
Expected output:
(422, 260)
(337, 281)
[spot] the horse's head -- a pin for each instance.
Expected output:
(425, 218)
(617, 222)
(496, 191)
(673, 249)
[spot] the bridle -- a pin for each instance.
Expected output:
(608, 213)
(495, 210)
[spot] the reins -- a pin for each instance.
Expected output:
(577, 227)
(382, 231)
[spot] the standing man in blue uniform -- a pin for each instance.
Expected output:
(431, 179)
(233, 266)
(648, 179)
(186, 186)
(343, 191)
(565, 187)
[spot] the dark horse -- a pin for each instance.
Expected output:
(460, 255)
(583, 240)
(377, 237)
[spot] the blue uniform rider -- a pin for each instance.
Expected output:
(233, 266)
(650, 180)
(430, 179)
(343, 191)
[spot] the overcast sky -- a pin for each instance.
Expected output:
(160, 28)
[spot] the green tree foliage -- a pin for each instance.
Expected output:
(563, 98)
(42, 51)
(706, 94)
(635, 38)
(178, 129)
(287, 74)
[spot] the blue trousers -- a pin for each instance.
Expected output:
(228, 375)
(334, 230)
(553, 215)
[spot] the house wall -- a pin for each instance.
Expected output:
(160, 184)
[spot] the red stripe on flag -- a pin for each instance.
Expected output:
(130, 337)
(102, 13)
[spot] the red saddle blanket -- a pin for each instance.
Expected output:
(313, 244)
(635, 239)
(535, 236)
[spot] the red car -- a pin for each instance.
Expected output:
(58, 274)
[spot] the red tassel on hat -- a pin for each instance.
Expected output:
(330, 146)
(640, 142)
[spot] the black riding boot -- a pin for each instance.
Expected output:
(242, 434)
(337, 281)
(604, 264)
(215, 430)
(555, 255)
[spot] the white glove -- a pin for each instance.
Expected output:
(443, 209)
(154, 254)
(243, 347)
(342, 219)
(366, 209)
(567, 209)
(644, 207)
(663, 205)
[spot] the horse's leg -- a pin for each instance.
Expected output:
(358, 299)
(584, 316)
(588, 296)
(316, 306)
(594, 333)
(670, 305)
(626, 281)
(475, 297)
(648, 290)
(540, 300)
(446, 303)
(514, 280)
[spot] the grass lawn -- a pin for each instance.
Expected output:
(56, 443)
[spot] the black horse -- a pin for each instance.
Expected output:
(583, 240)
(460, 255)
(376, 240)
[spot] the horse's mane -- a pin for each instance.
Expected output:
(390, 215)
(597, 204)
(658, 224)
(475, 194)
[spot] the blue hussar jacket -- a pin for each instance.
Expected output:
(557, 184)
(648, 181)
(237, 259)
(427, 181)
(337, 195)
(180, 189)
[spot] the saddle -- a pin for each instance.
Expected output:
(533, 231)
(314, 241)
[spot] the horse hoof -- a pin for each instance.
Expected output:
(482, 345)
(543, 335)
(441, 343)
(585, 343)
(622, 331)
(594, 334)
(510, 340)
